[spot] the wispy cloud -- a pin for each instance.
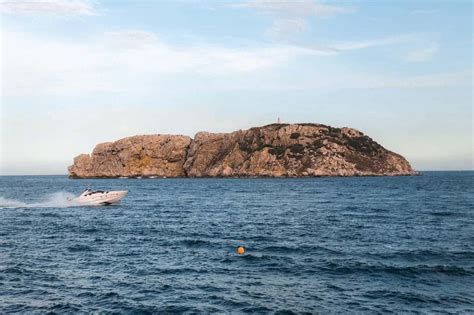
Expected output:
(423, 54)
(295, 8)
(337, 47)
(369, 80)
(431, 80)
(420, 81)
(50, 7)
(40, 65)
(137, 61)
(285, 27)
(291, 16)
(383, 41)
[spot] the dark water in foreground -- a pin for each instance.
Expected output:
(314, 245)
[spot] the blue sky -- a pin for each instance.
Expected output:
(76, 73)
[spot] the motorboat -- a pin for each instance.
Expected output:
(99, 197)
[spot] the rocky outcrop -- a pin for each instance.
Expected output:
(277, 150)
(152, 155)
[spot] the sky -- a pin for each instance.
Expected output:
(77, 73)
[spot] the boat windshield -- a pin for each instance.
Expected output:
(89, 192)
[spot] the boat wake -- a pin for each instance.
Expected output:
(60, 199)
(10, 203)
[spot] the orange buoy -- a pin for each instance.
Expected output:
(240, 250)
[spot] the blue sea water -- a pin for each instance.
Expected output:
(362, 244)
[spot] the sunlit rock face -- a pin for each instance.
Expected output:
(277, 150)
(151, 155)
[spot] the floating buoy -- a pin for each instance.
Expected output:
(240, 250)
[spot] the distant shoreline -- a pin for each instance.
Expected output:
(421, 172)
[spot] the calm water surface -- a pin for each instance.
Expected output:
(402, 244)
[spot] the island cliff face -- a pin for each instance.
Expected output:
(277, 150)
(153, 155)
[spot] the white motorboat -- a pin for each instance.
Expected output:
(99, 197)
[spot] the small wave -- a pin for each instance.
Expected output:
(109, 295)
(181, 270)
(353, 267)
(90, 230)
(79, 248)
(260, 310)
(50, 215)
(406, 296)
(282, 249)
(443, 214)
(195, 242)
(14, 270)
(64, 308)
(421, 254)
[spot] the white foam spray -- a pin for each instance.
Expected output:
(60, 199)
(10, 203)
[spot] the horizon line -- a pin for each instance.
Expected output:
(456, 170)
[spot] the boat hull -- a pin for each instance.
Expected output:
(101, 199)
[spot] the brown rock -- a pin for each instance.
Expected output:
(274, 150)
(152, 155)
(292, 150)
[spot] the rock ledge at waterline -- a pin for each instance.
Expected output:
(276, 150)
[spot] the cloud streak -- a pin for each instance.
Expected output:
(338, 47)
(108, 62)
(291, 16)
(138, 60)
(48, 7)
(423, 54)
(293, 8)
(285, 27)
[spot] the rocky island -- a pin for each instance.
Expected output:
(276, 150)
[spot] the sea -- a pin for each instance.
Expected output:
(313, 245)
